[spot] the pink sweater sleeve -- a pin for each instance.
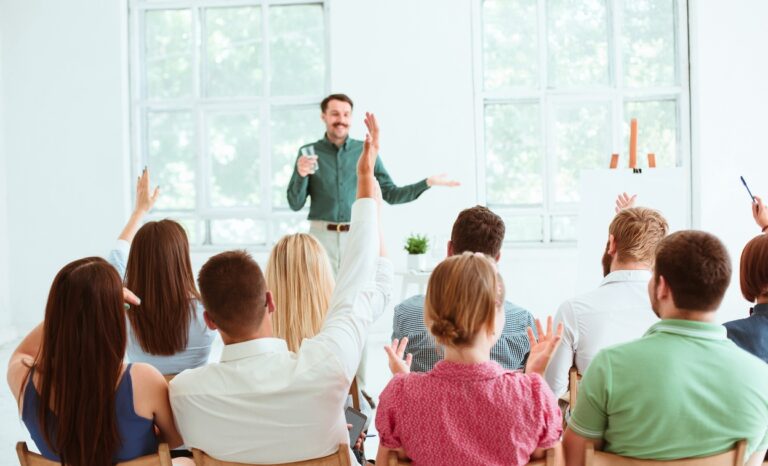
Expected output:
(388, 412)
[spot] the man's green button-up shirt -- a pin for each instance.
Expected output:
(333, 187)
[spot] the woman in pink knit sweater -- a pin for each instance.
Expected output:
(468, 410)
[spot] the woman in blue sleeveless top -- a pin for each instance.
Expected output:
(81, 404)
(167, 330)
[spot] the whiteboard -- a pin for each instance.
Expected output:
(663, 189)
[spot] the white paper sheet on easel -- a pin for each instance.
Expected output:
(663, 189)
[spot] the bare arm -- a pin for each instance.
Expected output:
(575, 447)
(22, 359)
(144, 203)
(151, 400)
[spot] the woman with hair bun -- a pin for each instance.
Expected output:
(468, 409)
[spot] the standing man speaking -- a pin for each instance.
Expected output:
(326, 171)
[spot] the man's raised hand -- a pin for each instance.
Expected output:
(366, 183)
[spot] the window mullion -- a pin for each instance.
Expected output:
(544, 121)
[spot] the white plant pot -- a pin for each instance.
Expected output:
(417, 262)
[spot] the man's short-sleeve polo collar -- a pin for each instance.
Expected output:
(689, 328)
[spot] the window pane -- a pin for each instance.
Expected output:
(168, 53)
(513, 154)
(648, 43)
(578, 43)
(171, 155)
(233, 51)
(238, 231)
(510, 55)
(582, 139)
(193, 229)
(297, 50)
(529, 228)
(233, 144)
(564, 227)
(291, 128)
(656, 130)
(288, 226)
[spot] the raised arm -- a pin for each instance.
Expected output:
(759, 213)
(364, 282)
(625, 201)
(145, 200)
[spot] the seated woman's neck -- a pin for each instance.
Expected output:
(472, 354)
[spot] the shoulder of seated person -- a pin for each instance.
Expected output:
(145, 372)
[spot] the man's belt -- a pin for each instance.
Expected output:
(338, 227)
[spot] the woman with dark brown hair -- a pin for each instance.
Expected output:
(81, 404)
(751, 333)
(167, 330)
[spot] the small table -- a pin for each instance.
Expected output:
(420, 278)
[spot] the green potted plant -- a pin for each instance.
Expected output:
(417, 246)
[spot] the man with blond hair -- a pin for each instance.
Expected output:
(619, 310)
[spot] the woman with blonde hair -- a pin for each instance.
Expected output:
(300, 277)
(468, 409)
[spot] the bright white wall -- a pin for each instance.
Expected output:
(730, 98)
(411, 62)
(63, 139)
(6, 331)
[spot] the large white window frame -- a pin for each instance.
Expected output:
(202, 107)
(547, 99)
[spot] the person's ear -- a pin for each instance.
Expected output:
(449, 251)
(209, 321)
(270, 302)
(498, 256)
(663, 291)
(611, 247)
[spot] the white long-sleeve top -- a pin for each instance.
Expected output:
(616, 312)
(265, 404)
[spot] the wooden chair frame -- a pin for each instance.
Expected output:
(553, 457)
(340, 458)
(733, 457)
(161, 458)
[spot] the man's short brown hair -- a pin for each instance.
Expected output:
(477, 229)
(341, 97)
(753, 275)
(696, 267)
(637, 232)
(233, 291)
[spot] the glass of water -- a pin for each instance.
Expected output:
(309, 152)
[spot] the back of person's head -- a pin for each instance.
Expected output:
(696, 267)
(159, 271)
(234, 292)
(80, 362)
(463, 295)
(753, 274)
(477, 229)
(300, 277)
(637, 232)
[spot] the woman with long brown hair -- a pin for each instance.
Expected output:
(81, 403)
(167, 330)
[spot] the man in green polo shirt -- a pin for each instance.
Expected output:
(326, 171)
(683, 390)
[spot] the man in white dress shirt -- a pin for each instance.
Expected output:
(263, 403)
(619, 310)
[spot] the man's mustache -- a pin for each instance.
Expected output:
(340, 124)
